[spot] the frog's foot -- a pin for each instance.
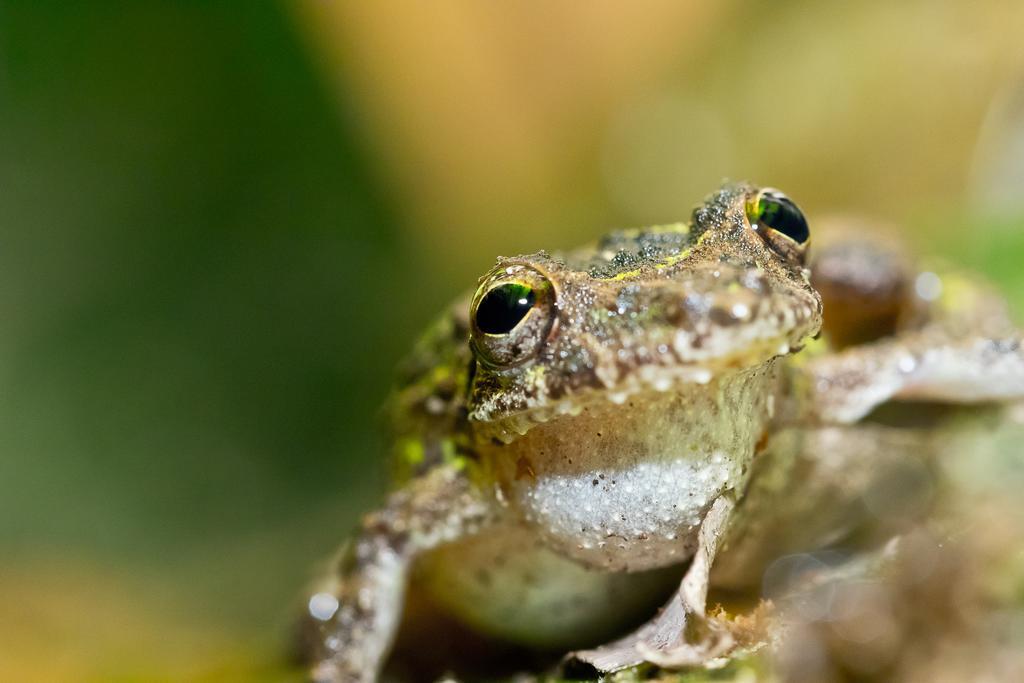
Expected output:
(681, 635)
(674, 639)
(701, 640)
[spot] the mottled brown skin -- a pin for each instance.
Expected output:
(623, 304)
(553, 478)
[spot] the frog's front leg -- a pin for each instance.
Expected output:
(929, 365)
(681, 634)
(898, 344)
(354, 637)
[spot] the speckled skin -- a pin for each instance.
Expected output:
(647, 309)
(573, 463)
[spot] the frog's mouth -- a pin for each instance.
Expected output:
(495, 417)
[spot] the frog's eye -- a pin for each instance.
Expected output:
(503, 307)
(779, 222)
(511, 315)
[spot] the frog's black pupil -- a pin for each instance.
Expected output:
(503, 307)
(778, 212)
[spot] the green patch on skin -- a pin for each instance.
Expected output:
(459, 463)
(441, 374)
(535, 373)
(450, 455)
(670, 261)
(412, 452)
(666, 262)
(813, 348)
(622, 276)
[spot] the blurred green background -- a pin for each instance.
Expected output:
(222, 223)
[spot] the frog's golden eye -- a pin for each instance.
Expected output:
(511, 315)
(779, 222)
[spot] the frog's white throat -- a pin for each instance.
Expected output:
(625, 486)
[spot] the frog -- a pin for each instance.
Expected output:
(590, 440)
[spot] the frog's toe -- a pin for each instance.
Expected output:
(703, 639)
(674, 639)
(607, 659)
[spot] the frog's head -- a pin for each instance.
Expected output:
(643, 310)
